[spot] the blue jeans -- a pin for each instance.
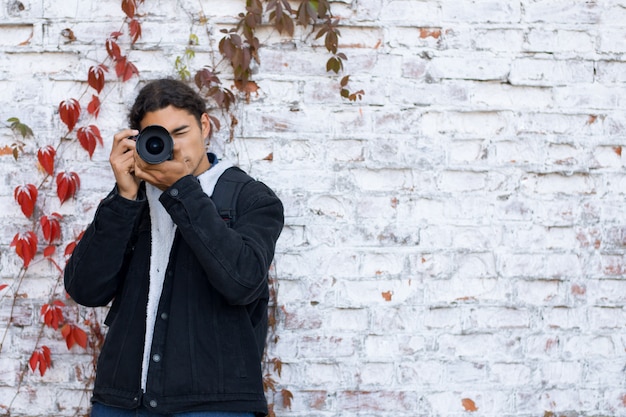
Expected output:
(101, 410)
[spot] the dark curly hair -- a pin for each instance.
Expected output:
(159, 94)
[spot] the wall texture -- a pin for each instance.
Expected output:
(454, 243)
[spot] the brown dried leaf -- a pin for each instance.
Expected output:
(287, 397)
(469, 405)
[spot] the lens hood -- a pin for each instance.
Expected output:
(155, 145)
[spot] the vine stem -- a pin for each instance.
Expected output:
(21, 275)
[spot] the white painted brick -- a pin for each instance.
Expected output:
(464, 152)
(608, 157)
(348, 319)
(505, 41)
(559, 41)
(387, 348)
(580, 347)
(363, 293)
(561, 11)
(484, 11)
(499, 318)
(375, 374)
(606, 317)
(545, 292)
(548, 72)
(567, 399)
(462, 181)
(465, 124)
(462, 373)
(511, 374)
(475, 67)
(612, 41)
(499, 96)
(451, 402)
(604, 373)
(562, 373)
(461, 289)
(383, 264)
(383, 179)
(610, 71)
(410, 13)
(322, 375)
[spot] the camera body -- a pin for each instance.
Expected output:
(154, 144)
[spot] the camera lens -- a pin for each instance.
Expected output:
(154, 145)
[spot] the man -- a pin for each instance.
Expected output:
(188, 321)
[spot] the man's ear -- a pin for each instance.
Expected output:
(205, 124)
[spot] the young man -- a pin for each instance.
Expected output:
(188, 321)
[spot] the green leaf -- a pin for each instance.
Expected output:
(331, 64)
(20, 127)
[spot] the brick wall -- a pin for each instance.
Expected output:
(454, 242)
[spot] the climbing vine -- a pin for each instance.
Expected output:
(42, 240)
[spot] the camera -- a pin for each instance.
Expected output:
(154, 144)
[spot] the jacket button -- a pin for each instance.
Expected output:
(174, 192)
(153, 403)
(156, 357)
(164, 316)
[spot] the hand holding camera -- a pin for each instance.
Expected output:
(147, 155)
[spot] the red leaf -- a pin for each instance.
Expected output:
(51, 227)
(74, 335)
(129, 7)
(25, 246)
(34, 360)
(26, 197)
(66, 332)
(49, 251)
(72, 245)
(94, 106)
(135, 30)
(88, 138)
(129, 71)
(113, 48)
(81, 337)
(53, 314)
(95, 78)
(125, 69)
(206, 78)
(120, 65)
(70, 248)
(45, 156)
(68, 184)
(69, 110)
(40, 358)
(3, 286)
(46, 355)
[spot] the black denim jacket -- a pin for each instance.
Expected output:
(212, 316)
